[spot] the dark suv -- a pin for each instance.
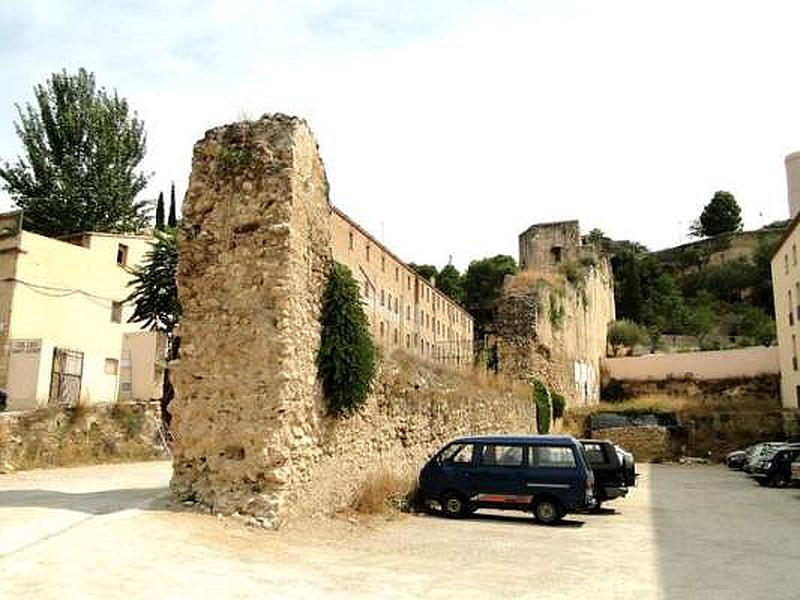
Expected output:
(614, 470)
(547, 475)
(774, 468)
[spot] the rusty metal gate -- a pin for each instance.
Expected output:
(65, 378)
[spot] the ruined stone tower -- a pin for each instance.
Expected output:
(552, 317)
(254, 247)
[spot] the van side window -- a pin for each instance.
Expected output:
(561, 457)
(594, 452)
(460, 454)
(501, 456)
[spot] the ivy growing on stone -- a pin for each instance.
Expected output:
(346, 361)
(541, 399)
(559, 404)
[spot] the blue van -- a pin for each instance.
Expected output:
(546, 475)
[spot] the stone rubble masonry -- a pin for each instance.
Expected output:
(551, 321)
(254, 251)
(248, 418)
(58, 436)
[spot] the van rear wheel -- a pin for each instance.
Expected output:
(547, 511)
(454, 506)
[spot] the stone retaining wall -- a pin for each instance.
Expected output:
(416, 408)
(100, 433)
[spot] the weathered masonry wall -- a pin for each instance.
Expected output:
(552, 317)
(415, 409)
(405, 310)
(256, 241)
(253, 255)
(68, 436)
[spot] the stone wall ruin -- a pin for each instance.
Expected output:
(251, 433)
(552, 317)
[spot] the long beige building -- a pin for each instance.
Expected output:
(406, 311)
(786, 290)
(64, 330)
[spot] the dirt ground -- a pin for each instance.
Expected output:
(108, 532)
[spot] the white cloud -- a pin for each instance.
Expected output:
(456, 129)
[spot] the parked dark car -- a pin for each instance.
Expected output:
(614, 470)
(736, 459)
(546, 475)
(775, 468)
(757, 452)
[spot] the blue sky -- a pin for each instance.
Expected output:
(449, 127)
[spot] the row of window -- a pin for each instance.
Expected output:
(495, 455)
(786, 260)
(438, 301)
(393, 304)
(425, 347)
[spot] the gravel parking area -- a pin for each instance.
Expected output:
(685, 532)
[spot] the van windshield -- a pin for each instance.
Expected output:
(457, 453)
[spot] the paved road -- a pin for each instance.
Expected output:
(106, 532)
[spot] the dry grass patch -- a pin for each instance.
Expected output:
(385, 492)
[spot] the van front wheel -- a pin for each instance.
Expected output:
(547, 511)
(454, 506)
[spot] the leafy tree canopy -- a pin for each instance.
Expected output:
(451, 282)
(483, 282)
(426, 271)
(625, 334)
(155, 289)
(721, 215)
(81, 150)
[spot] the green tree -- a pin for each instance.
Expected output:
(451, 282)
(627, 286)
(625, 334)
(483, 282)
(756, 326)
(721, 215)
(155, 301)
(541, 399)
(424, 271)
(82, 147)
(160, 211)
(703, 316)
(172, 221)
(559, 405)
(346, 360)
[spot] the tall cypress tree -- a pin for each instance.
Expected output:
(160, 212)
(173, 217)
(347, 358)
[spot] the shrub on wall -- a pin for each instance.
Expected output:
(559, 404)
(346, 361)
(541, 399)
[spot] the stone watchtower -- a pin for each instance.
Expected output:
(544, 246)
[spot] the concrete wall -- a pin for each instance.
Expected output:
(406, 311)
(61, 293)
(716, 364)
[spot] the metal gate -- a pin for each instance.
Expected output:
(65, 378)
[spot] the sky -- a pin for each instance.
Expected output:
(447, 128)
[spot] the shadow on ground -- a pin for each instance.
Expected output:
(93, 503)
(719, 535)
